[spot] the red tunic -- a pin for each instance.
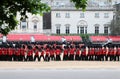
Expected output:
(51, 52)
(37, 53)
(65, 52)
(104, 51)
(47, 51)
(42, 53)
(17, 52)
(22, 52)
(0, 51)
(72, 51)
(57, 52)
(78, 52)
(5, 51)
(118, 51)
(83, 52)
(30, 53)
(10, 52)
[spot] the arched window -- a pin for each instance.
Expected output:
(35, 21)
(82, 27)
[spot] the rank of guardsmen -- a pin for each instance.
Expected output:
(58, 52)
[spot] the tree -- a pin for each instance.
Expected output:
(115, 27)
(9, 9)
(115, 23)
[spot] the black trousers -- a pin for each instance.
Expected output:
(71, 57)
(36, 57)
(52, 57)
(77, 57)
(47, 58)
(65, 57)
(58, 58)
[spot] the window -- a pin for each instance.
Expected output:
(96, 15)
(67, 15)
(106, 15)
(58, 28)
(57, 15)
(85, 30)
(24, 24)
(77, 29)
(67, 28)
(96, 28)
(35, 26)
(81, 30)
(82, 15)
(105, 28)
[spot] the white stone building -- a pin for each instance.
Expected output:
(33, 24)
(65, 19)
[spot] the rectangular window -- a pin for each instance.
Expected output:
(78, 30)
(35, 27)
(58, 28)
(96, 30)
(81, 30)
(67, 15)
(24, 25)
(106, 15)
(85, 30)
(67, 29)
(96, 15)
(105, 30)
(57, 15)
(82, 15)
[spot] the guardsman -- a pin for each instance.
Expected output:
(72, 50)
(52, 54)
(36, 54)
(0, 53)
(83, 53)
(10, 53)
(65, 53)
(47, 54)
(77, 55)
(42, 53)
(117, 53)
(30, 54)
(58, 52)
(22, 53)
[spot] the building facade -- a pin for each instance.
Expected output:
(65, 19)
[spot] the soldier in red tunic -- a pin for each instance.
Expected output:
(42, 53)
(10, 53)
(65, 53)
(52, 53)
(58, 52)
(30, 54)
(36, 54)
(71, 53)
(83, 53)
(0, 53)
(22, 53)
(77, 55)
(47, 54)
(117, 53)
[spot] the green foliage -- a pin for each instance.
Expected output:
(9, 9)
(115, 27)
(80, 4)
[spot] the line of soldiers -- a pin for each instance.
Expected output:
(36, 52)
